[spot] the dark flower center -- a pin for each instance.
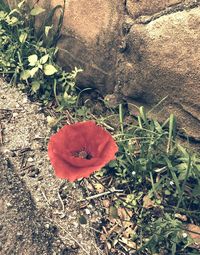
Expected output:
(82, 154)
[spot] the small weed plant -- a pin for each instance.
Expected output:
(160, 180)
(153, 203)
(28, 55)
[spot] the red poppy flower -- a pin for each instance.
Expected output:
(80, 149)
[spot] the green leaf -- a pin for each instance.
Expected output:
(113, 212)
(21, 3)
(196, 190)
(35, 85)
(113, 163)
(44, 59)
(33, 71)
(47, 29)
(66, 96)
(2, 15)
(37, 10)
(52, 121)
(12, 21)
(82, 220)
(23, 37)
(25, 75)
(50, 70)
(33, 59)
(167, 192)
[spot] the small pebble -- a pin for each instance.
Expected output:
(19, 234)
(25, 100)
(58, 241)
(80, 236)
(75, 224)
(40, 178)
(184, 235)
(15, 114)
(47, 226)
(62, 216)
(87, 211)
(9, 205)
(30, 159)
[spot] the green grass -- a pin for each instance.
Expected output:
(151, 163)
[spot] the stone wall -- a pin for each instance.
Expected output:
(142, 50)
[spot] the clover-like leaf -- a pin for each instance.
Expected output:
(23, 37)
(35, 85)
(25, 75)
(44, 59)
(32, 59)
(33, 71)
(50, 69)
(37, 10)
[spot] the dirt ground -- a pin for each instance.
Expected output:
(39, 213)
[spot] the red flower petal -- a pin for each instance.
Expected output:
(70, 139)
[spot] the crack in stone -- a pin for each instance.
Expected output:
(125, 8)
(169, 10)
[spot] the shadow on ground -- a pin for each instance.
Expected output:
(23, 230)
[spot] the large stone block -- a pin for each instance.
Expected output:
(90, 37)
(142, 50)
(165, 62)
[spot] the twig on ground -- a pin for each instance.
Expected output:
(61, 201)
(44, 195)
(111, 191)
(1, 133)
(27, 167)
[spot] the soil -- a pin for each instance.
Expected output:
(39, 213)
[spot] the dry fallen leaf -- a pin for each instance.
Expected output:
(129, 243)
(106, 203)
(181, 217)
(124, 214)
(109, 246)
(195, 236)
(128, 232)
(147, 202)
(89, 186)
(103, 237)
(128, 224)
(99, 188)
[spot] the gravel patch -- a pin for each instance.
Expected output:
(39, 213)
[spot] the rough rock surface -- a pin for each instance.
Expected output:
(143, 50)
(164, 60)
(137, 8)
